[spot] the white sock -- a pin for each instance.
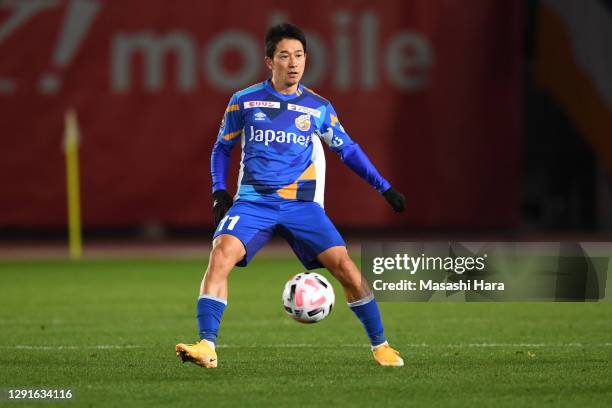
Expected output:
(210, 343)
(379, 345)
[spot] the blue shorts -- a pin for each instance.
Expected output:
(303, 224)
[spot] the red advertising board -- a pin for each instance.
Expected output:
(430, 90)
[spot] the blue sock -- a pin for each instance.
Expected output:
(210, 310)
(367, 312)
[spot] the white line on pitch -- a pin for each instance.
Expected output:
(98, 347)
(297, 345)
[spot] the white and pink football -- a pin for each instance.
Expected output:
(308, 297)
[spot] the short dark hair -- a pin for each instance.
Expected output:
(281, 31)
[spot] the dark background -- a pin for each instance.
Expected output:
(531, 159)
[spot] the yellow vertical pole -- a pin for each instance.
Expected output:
(71, 149)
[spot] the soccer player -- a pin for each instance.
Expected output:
(280, 125)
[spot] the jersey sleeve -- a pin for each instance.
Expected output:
(332, 133)
(229, 134)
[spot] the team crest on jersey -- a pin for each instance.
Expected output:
(302, 122)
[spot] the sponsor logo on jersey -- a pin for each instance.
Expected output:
(330, 138)
(279, 136)
(304, 109)
(260, 116)
(302, 122)
(336, 141)
(262, 104)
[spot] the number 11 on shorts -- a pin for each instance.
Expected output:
(231, 225)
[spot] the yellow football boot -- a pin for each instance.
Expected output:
(200, 353)
(387, 356)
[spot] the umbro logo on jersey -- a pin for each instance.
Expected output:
(260, 116)
(304, 109)
(262, 104)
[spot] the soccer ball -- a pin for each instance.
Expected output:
(308, 297)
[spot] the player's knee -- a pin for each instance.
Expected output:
(222, 260)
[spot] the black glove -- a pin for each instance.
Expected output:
(222, 202)
(395, 199)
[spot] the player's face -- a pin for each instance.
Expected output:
(288, 63)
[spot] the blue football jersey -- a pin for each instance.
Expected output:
(281, 138)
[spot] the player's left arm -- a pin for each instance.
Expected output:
(332, 132)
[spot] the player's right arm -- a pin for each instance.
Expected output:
(229, 134)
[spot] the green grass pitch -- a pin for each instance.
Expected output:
(107, 330)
